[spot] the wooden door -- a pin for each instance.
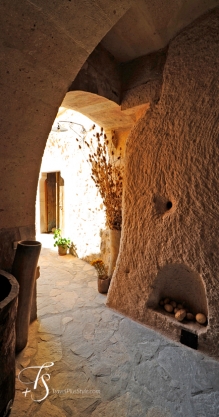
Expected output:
(51, 201)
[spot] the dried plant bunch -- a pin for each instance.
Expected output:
(107, 173)
(99, 266)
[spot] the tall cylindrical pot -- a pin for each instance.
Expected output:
(24, 270)
(8, 309)
(115, 236)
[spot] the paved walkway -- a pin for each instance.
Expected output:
(105, 365)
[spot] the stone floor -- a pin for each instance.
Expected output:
(105, 365)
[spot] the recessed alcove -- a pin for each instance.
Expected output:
(169, 205)
(163, 205)
(180, 283)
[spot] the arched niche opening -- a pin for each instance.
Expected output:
(180, 283)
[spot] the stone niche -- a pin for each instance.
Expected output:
(169, 243)
(178, 282)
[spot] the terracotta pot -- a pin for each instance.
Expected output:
(62, 250)
(115, 236)
(103, 283)
(24, 270)
(8, 309)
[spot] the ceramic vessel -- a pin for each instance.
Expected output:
(24, 270)
(9, 289)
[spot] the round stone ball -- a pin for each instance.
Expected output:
(201, 318)
(173, 303)
(168, 308)
(190, 316)
(180, 315)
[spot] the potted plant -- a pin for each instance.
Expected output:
(102, 279)
(62, 242)
(107, 174)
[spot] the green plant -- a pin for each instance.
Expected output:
(61, 241)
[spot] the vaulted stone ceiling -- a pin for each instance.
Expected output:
(126, 67)
(149, 25)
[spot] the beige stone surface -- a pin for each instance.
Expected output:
(149, 26)
(172, 156)
(50, 351)
(102, 111)
(50, 410)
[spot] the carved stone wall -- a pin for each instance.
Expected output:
(171, 190)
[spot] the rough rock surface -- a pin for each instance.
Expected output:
(99, 75)
(142, 80)
(172, 157)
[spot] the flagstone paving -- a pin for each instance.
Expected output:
(105, 365)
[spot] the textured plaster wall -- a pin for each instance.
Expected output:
(172, 155)
(82, 215)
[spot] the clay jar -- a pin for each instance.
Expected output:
(103, 283)
(24, 270)
(8, 309)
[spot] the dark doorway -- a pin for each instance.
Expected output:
(53, 200)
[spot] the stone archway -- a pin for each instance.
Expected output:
(42, 51)
(44, 45)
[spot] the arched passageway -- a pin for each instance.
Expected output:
(43, 47)
(173, 153)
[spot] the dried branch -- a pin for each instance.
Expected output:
(107, 173)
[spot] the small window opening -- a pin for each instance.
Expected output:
(189, 339)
